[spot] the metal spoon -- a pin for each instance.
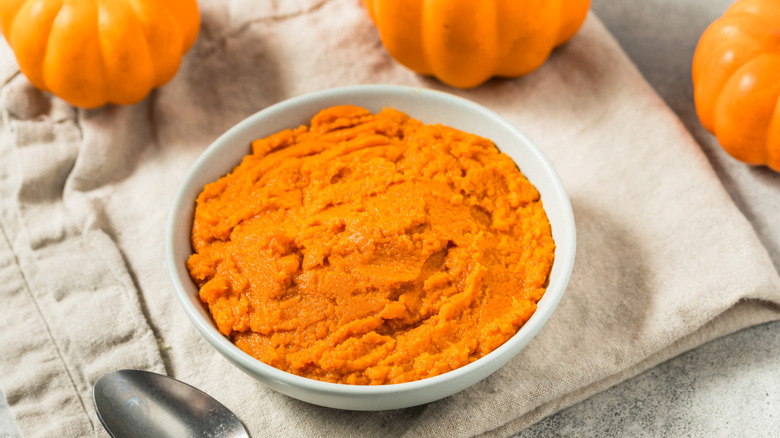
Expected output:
(135, 403)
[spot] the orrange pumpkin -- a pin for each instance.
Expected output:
(736, 80)
(465, 42)
(92, 52)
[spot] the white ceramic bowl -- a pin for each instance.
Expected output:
(430, 107)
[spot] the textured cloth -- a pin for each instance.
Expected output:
(665, 260)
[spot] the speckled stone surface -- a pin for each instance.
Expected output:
(726, 388)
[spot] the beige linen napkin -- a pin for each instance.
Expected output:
(665, 261)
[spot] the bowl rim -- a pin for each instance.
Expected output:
(262, 371)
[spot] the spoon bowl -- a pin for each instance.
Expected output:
(135, 403)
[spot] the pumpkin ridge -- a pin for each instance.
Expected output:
(165, 7)
(727, 46)
(495, 45)
(159, 81)
(190, 26)
(147, 48)
(106, 89)
(767, 11)
(739, 132)
(8, 18)
(425, 38)
(744, 18)
(426, 69)
(573, 15)
(44, 86)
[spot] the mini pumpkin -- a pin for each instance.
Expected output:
(736, 80)
(465, 42)
(91, 52)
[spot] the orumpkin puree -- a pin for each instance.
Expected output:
(371, 249)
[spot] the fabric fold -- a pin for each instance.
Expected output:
(72, 289)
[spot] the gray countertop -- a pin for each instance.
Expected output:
(728, 387)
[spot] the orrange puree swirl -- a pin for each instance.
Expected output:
(371, 248)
